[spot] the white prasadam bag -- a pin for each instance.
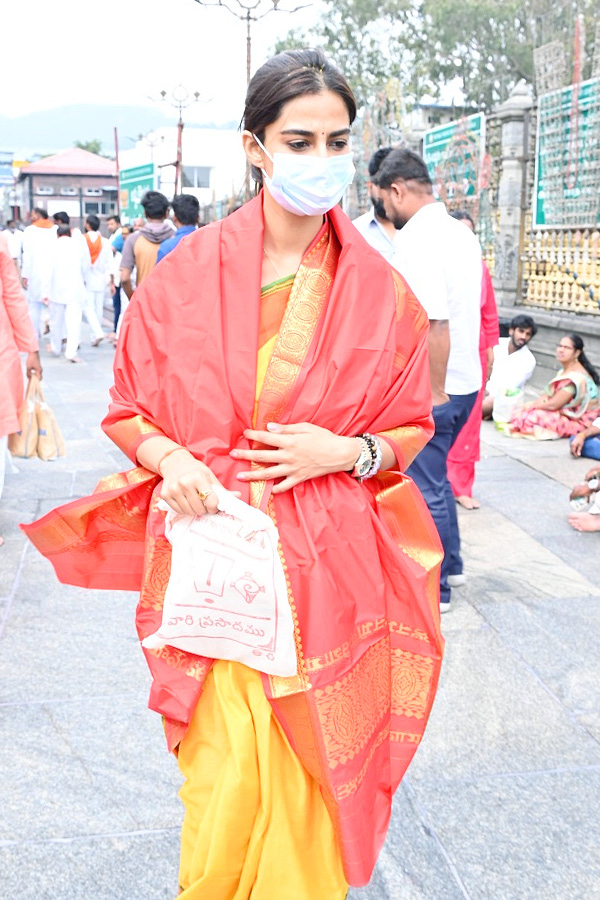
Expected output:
(227, 595)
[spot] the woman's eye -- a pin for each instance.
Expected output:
(298, 145)
(339, 145)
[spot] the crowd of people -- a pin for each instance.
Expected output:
(298, 362)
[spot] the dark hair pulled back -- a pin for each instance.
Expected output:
(582, 358)
(291, 74)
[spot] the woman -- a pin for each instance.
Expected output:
(466, 448)
(570, 400)
(16, 336)
(252, 357)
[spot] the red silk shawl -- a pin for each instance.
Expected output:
(361, 559)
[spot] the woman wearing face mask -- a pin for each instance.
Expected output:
(276, 354)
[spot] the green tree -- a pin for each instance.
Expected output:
(371, 43)
(488, 44)
(484, 46)
(94, 146)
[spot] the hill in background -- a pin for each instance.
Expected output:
(57, 129)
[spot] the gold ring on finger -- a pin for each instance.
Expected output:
(204, 494)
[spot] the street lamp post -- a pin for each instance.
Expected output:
(180, 98)
(249, 12)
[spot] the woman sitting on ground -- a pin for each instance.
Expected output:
(569, 402)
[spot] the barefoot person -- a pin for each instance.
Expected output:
(465, 451)
(275, 353)
(587, 495)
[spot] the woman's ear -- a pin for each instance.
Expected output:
(254, 154)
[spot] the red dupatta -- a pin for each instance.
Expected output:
(361, 560)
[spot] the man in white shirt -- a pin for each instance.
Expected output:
(65, 293)
(374, 225)
(14, 239)
(441, 261)
(39, 240)
(99, 262)
(514, 362)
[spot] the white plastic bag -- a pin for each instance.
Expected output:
(227, 594)
(506, 405)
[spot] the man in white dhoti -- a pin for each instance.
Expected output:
(98, 267)
(38, 242)
(66, 293)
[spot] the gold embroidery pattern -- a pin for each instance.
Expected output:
(157, 569)
(410, 438)
(365, 630)
(350, 787)
(281, 686)
(307, 298)
(126, 431)
(405, 737)
(351, 708)
(411, 682)
(318, 663)
(177, 659)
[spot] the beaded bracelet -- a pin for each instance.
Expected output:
(374, 446)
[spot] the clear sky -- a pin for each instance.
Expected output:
(60, 52)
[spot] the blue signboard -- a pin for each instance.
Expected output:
(6, 167)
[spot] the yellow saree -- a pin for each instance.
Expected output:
(256, 825)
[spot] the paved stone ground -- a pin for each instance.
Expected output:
(502, 799)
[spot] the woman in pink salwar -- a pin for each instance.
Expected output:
(16, 336)
(569, 402)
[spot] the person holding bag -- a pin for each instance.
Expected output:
(16, 336)
(276, 355)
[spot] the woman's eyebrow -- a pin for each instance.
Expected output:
(303, 133)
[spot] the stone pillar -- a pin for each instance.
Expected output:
(514, 116)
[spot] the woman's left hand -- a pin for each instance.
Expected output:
(296, 453)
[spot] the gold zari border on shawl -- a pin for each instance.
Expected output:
(308, 296)
(127, 432)
(307, 300)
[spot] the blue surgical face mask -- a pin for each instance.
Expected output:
(308, 185)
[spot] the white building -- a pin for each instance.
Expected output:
(214, 163)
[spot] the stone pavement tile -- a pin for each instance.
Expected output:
(102, 759)
(11, 514)
(551, 458)
(492, 715)
(531, 837)
(543, 517)
(558, 638)
(412, 864)
(501, 557)
(60, 640)
(140, 866)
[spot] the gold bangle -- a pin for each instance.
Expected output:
(162, 459)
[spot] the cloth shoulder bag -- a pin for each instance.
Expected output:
(39, 434)
(23, 443)
(50, 443)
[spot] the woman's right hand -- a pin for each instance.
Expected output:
(185, 481)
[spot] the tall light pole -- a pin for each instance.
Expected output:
(180, 98)
(249, 12)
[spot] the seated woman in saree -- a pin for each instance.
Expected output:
(276, 354)
(569, 403)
